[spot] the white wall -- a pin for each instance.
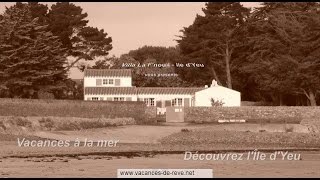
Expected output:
(228, 96)
(91, 81)
(159, 97)
(162, 97)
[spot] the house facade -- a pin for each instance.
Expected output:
(116, 85)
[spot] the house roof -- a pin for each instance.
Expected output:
(139, 90)
(107, 72)
(110, 90)
(168, 90)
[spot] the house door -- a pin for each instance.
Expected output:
(174, 114)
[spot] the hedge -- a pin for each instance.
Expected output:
(75, 108)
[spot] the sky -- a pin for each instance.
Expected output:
(135, 24)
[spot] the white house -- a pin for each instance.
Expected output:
(225, 95)
(116, 85)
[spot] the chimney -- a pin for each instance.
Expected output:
(214, 83)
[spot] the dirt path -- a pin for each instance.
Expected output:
(125, 134)
(152, 134)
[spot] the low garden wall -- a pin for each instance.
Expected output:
(76, 108)
(273, 114)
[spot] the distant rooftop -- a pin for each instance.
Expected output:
(107, 72)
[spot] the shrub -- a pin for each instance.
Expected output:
(148, 121)
(185, 130)
(68, 126)
(45, 95)
(20, 121)
(91, 125)
(289, 129)
(83, 123)
(158, 119)
(46, 123)
(216, 103)
(2, 125)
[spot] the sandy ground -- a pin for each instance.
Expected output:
(135, 138)
(152, 134)
(107, 166)
(125, 134)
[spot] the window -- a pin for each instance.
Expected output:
(118, 98)
(146, 100)
(117, 82)
(149, 101)
(177, 102)
(95, 98)
(108, 81)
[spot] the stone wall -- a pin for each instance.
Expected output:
(75, 108)
(273, 114)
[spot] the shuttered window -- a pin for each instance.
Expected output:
(98, 82)
(186, 102)
(167, 103)
(117, 82)
(159, 104)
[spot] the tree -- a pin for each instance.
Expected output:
(68, 22)
(159, 53)
(286, 46)
(146, 72)
(39, 11)
(106, 63)
(156, 68)
(213, 40)
(31, 58)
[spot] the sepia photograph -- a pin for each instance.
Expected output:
(159, 89)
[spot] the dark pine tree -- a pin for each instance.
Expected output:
(31, 58)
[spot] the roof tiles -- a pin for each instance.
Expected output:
(140, 90)
(110, 90)
(107, 72)
(168, 90)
